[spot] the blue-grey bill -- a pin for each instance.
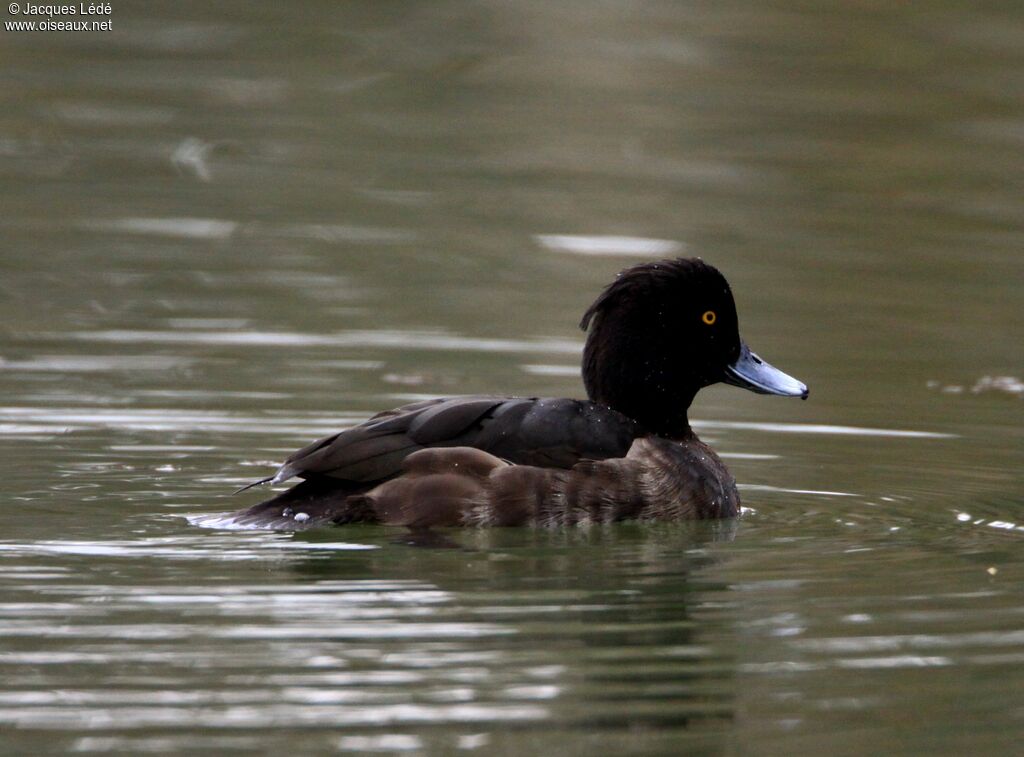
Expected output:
(751, 372)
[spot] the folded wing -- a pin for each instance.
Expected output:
(554, 433)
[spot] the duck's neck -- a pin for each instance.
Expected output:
(677, 429)
(643, 393)
(660, 414)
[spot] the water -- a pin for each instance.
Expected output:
(228, 230)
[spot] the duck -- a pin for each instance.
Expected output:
(656, 335)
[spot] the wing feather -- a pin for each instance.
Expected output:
(555, 433)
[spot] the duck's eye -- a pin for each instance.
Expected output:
(709, 317)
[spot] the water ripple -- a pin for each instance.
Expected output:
(405, 340)
(818, 428)
(175, 548)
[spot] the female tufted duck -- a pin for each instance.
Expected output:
(657, 334)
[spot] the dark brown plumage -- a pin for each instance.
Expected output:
(657, 335)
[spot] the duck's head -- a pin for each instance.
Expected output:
(662, 331)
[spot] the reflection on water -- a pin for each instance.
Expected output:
(404, 341)
(504, 634)
(649, 249)
(228, 231)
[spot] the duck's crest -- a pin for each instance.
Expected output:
(642, 280)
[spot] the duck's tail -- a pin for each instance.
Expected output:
(314, 502)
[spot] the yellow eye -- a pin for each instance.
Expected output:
(709, 317)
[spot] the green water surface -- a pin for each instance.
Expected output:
(229, 228)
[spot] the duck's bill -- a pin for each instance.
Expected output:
(751, 372)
